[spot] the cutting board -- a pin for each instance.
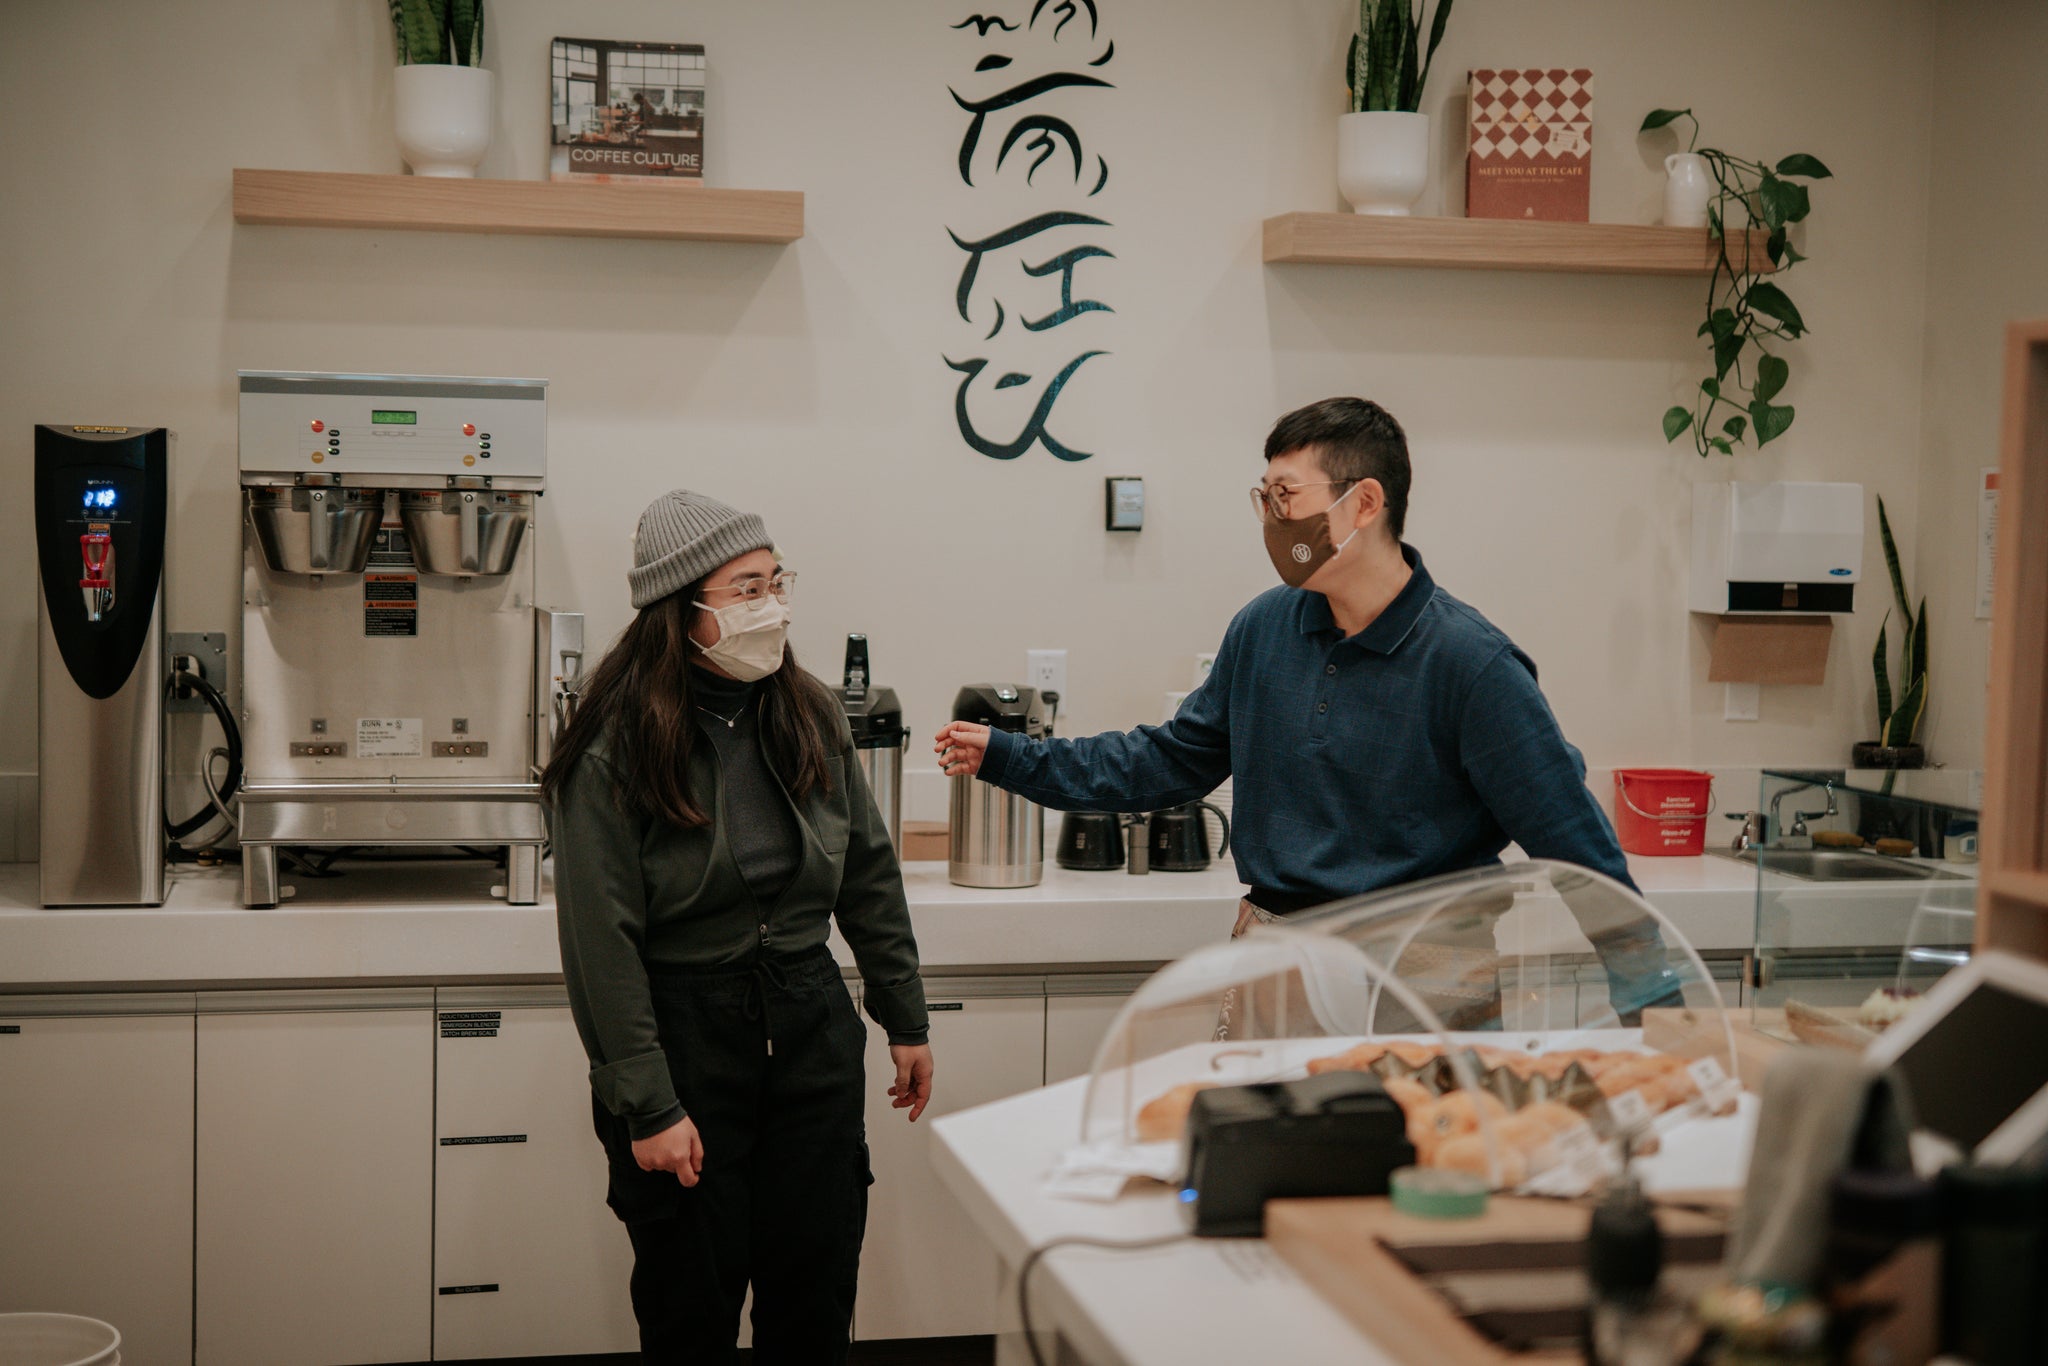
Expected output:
(1356, 1254)
(1697, 1034)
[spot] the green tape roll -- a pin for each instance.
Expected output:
(1430, 1194)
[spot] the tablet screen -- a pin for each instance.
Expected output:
(1978, 1064)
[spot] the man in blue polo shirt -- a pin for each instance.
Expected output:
(1378, 730)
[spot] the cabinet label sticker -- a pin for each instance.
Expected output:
(946, 1005)
(390, 737)
(491, 1289)
(10, 1029)
(470, 1024)
(470, 1140)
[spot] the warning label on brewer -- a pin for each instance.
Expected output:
(391, 586)
(390, 737)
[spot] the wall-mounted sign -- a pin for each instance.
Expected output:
(1037, 74)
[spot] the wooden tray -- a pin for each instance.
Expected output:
(1351, 1252)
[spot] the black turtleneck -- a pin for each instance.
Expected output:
(759, 824)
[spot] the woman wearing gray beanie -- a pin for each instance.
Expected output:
(709, 823)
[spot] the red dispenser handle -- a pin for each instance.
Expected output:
(97, 547)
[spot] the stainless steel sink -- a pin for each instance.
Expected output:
(1838, 865)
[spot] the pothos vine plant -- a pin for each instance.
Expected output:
(1747, 315)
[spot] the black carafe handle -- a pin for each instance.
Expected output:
(1224, 847)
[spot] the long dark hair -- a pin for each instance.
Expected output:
(638, 699)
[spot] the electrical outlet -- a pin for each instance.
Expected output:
(1046, 670)
(1743, 703)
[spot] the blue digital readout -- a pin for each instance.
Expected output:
(99, 499)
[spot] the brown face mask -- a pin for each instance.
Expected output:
(1299, 546)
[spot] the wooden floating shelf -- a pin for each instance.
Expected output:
(1356, 239)
(694, 213)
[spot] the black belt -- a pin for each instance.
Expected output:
(1289, 903)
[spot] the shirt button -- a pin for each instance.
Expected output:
(1322, 707)
(764, 930)
(1329, 668)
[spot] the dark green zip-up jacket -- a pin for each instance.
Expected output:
(633, 891)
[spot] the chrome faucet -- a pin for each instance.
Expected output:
(1797, 837)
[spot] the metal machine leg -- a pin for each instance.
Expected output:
(522, 881)
(259, 875)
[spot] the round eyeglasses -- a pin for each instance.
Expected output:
(1273, 503)
(757, 588)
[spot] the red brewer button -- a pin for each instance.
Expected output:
(318, 425)
(469, 429)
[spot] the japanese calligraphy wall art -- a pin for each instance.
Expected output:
(1030, 239)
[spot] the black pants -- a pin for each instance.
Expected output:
(768, 1063)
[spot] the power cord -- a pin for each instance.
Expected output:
(231, 782)
(1038, 1253)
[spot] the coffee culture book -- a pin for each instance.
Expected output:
(1531, 145)
(626, 112)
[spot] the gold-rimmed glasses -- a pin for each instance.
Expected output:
(1272, 502)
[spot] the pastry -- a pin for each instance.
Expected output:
(1886, 1007)
(1358, 1059)
(1838, 839)
(1467, 1153)
(1163, 1118)
(1897, 848)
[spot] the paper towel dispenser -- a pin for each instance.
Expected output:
(1776, 547)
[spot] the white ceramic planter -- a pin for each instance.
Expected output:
(443, 118)
(1382, 161)
(1687, 189)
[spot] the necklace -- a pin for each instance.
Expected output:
(730, 721)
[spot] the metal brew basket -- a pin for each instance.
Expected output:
(315, 530)
(465, 531)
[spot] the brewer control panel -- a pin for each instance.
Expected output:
(383, 428)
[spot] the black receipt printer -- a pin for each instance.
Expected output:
(1335, 1134)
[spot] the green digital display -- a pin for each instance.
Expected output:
(393, 417)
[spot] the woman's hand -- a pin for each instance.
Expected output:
(675, 1149)
(913, 1088)
(961, 746)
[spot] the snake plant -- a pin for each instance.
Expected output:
(1896, 726)
(1387, 67)
(439, 32)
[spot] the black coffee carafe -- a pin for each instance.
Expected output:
(1180, 838)
(1090, 841)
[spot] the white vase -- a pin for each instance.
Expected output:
(443, 118)
(1382, 161)
(1687, 188)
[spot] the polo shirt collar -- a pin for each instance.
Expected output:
(1390, 627)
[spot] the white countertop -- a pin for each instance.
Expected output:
(407, 922)
(1223, 1300)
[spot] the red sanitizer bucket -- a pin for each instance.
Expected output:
(1662, 811)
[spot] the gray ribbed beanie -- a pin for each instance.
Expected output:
(682, 537)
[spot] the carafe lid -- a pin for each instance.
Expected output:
(1001, 706)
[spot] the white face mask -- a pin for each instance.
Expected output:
(750, 637)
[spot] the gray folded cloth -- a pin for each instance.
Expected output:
(1824, 1111)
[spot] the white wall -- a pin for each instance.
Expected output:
(1989, 199)
(806, 382)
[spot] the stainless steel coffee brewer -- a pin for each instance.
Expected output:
(399, 683)
(996, 838)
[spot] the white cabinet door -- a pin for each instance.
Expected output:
(314, 1199)
(925, 1270)
(1078, 1014)
(96, 1173)
(528, 1259)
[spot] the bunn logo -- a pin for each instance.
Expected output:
(118, 431)
(1841, 573)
